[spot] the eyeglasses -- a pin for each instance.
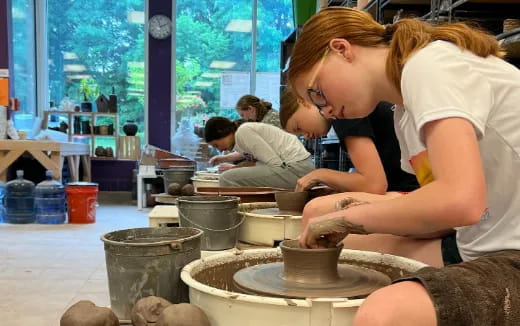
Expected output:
(317, 97)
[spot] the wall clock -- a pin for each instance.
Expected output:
(160, 27)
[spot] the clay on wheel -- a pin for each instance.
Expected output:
(147, 310)
(183, 314)
(86, 313)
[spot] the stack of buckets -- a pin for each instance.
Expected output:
(47, 202)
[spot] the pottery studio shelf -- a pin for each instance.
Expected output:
(94, 138)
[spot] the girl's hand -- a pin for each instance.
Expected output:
(328, 230)
(225, 166)
(307, 181)
(216, 160)
(324, 232)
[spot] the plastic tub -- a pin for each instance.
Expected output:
(81, 200)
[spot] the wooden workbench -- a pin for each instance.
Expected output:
(50, 154)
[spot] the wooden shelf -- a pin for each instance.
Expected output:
(79, 113)
(92, 118)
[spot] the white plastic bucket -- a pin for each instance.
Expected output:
(202, 182)
(225, 307)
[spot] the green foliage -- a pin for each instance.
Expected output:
(99, 35)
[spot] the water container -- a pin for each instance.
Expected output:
(2, 208)
(19, 200)
(185, 142)
(49, 201)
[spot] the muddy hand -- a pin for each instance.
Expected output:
(348, 202)
(328, 231)
(324, 233)
(303, 184)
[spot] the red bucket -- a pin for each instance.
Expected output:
(81, 200)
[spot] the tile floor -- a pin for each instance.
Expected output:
(46, 268)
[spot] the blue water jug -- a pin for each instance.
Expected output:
(19, 200)
(2, 195)
(49, 201)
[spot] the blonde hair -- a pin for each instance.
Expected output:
(262, 107)
(403, 38)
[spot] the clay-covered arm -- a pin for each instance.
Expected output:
(369, 176)
(457, 196)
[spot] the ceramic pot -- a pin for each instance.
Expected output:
(291, 201)
(100, 151)
(130, 128)
(109, 152)
(86, 107)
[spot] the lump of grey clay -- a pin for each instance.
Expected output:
(86, 313)
(187, 190)
(147, 310)
(174, 189)
(183, 314)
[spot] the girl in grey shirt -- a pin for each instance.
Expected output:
(275, 158)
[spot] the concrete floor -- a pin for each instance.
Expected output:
(46, 268)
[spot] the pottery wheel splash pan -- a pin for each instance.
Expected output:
(274, 211)
(267, 279)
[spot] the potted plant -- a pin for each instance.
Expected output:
(88, 88)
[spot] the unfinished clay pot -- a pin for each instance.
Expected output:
(146, 311)
(309, 273)
(86, 313)
(183, 314)
(289, 201)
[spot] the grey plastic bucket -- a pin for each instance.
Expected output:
(179, 174)
(147, 261)
(217, 216)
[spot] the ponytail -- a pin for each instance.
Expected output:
(407, 36)
(262, 107)
(403, 38)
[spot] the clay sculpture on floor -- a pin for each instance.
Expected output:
(183, 314)
(86, 313)
(146, 311)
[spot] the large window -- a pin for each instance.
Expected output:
(214, 51)
(275, 23)
(95, 46)
(24, 74)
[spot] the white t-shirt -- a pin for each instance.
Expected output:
(441, 81)
(268, 144)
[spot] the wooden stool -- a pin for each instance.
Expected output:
(164, 215)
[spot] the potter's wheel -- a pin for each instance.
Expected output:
(275, 211)
(309, 273)
(267, 279)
